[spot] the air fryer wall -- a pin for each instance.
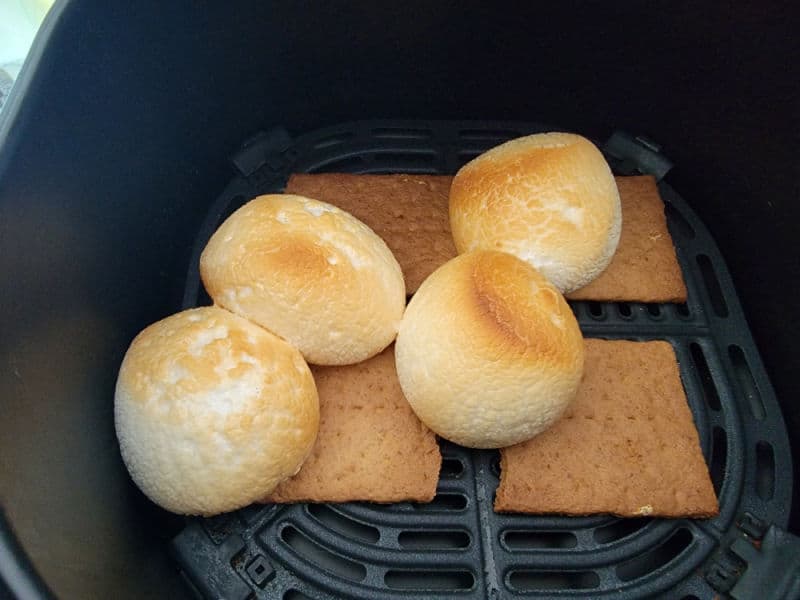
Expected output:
(121, 138)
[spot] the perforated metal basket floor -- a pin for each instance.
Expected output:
(456, 546)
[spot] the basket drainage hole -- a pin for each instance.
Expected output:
(706, 380)
(654, 310)
(719, 457)
(325, 559)
(527, 581)
(444, 502)
(333, 140)
(596, 310)
(656, 558)
(683, 310)
(525, 540)
(618, 530)
(624, 310)
(451, 468)
(431, 540)
(712, 286)
(493, 135)
(494, 465)
(403, 133)
(295, 595)
(429, 580)
(745, 377)
(343, 525)
(765, 471)
(340, 165)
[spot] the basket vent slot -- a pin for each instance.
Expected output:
(619, 529)
(402, 133)
(712, 286)
(452, 468)
(429, 580)
(657, 557)
(334, 140)
(433, 540)
(446, 501)
(746, 381)
(492, 135)
(346, 164)
(597, 310)
(530, 581)
(494, 465)
(654, 310)
(295, 595)
(342, 525)
(706, 380)
(323, 558)
(719, 457)
(533, 540)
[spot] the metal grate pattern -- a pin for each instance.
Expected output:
(456, 546)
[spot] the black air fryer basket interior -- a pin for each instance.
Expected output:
(457, 546)
(135, 130)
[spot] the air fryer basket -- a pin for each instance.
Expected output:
(457, 546)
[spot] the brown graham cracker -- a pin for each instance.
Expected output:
(644, 267)
(410, 212)
(370, 445)
(627, 445)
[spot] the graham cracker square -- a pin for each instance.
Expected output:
(627, 445)
(371, 446)
(645, 267)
